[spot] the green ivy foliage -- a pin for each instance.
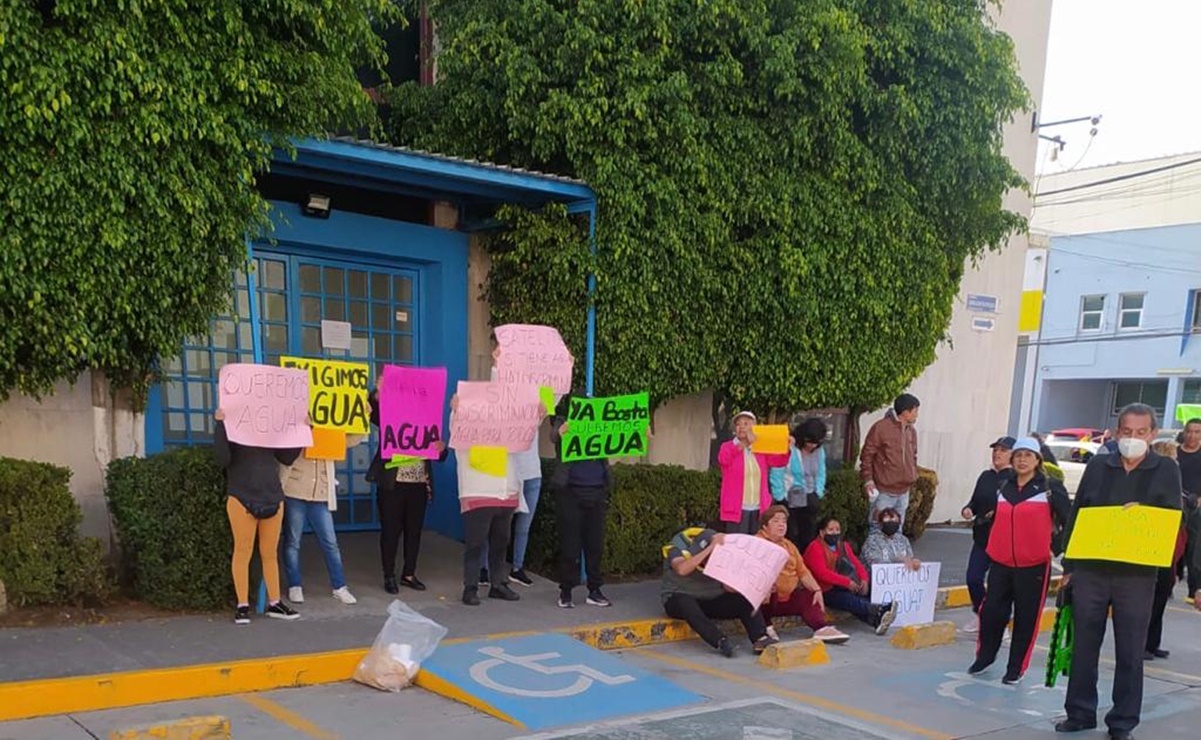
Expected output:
(789, 189)
(131, 132)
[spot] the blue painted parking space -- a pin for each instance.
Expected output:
(551, 680)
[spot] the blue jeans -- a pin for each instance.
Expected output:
(531, 490)
(843, 600)
(316, 513)
(898, 501)
(977, 569)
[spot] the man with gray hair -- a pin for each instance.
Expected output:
(1134, 477)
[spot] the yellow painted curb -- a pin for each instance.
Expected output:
(919, 636)
(192, 728)
(954, 597)
(794, 654)
(43, 698)
(440, 686)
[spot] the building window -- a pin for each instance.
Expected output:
(1130, 310)
(1196, 312)
(1154, 393)
(1092, 307)
(1191, 393)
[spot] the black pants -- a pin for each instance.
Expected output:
(580, 516)
(802, 522)
(1020, 592)
(401, 514)
(1130, 594)
(489, 524)
(1192, 553)
(699, 614)
(1165, 581)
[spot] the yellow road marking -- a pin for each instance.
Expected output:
(282, 714)
(813, 701)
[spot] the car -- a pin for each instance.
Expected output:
(1076, 433)
(1167, 435)
(1072, 457)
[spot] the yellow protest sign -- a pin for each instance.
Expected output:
(771, 439)
(1143, 535)
(489, 460)
(337, 393)
(328, 444)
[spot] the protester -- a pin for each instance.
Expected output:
(402, 494)
(582, 491)
(689, 594)
(886, 544)
(255, 506)
(1135, 476)
(1189, 457)
(744, 490)
(796, 592)
(888, 462)
(801, 484)
(1165, 578)
(310, 489)
(980, 509)
(1029, 508)
(843, 579)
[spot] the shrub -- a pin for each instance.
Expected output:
(921, 503)
(43, 560)
(844, 500)
(169, 511)
(650, 504)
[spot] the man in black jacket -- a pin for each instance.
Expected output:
(980, 510)
(1136, 476)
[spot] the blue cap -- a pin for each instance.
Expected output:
(1030, 444)
(1007, 442)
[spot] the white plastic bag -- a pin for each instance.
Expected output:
(407, 638)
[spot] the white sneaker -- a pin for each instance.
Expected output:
(971, 628)
(343, 594)
(296, 595)
(771, 632)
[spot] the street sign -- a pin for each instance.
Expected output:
(980, 303)
(547, 681)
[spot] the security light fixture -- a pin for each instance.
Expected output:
(316, 205)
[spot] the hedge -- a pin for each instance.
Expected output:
(43, 560)
(169, 511)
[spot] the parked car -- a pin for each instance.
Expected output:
(1072, 457)
(1076, 434)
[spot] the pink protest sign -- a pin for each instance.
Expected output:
(534, 355)
(496, 415)
(749, 565)
(265, 406)
(411, 400)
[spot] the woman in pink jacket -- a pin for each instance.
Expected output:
(744, 491)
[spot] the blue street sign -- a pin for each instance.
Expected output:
(978, 303)
(547, 681)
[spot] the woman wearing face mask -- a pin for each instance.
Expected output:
(796, 593)
(843, 579)
(1030, 507)
(801, 484)
(744, 491)
(887, 544)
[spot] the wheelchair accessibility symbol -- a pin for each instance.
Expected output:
(585, 676)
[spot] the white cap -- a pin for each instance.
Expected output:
(741, 414)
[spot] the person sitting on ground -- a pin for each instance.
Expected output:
(796, 592)
(843, 579)
(696, 598)
(886, 544)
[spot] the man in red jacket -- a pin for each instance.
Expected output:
(844, 581)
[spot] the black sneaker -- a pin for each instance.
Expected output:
(504, 593)
(725, 647)
(484, 577)
(471, 596)
(1011, 677)
(280, 610)
(242, 615)
(565, 601)
(519, 576)
(763, 643)
(596, 598)
(390, 586)
(979, 666)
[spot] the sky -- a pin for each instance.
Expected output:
(1137, 63)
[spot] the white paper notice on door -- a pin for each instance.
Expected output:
(335, 334)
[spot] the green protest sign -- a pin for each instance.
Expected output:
(606, 427)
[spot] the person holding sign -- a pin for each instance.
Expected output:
(744, 490)
(255, 507)
(1134, 477)
(310, 489)
(797, 592)
(843, 579)
(801, 484)
(1030, 508)
(689, 594)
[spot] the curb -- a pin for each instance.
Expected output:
(192, 728)
(48, 697)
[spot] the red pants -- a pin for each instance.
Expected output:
(800, 604)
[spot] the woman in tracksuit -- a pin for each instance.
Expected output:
(1030, 506)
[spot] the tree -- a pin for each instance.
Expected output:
(788, 188)
(130, 136)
